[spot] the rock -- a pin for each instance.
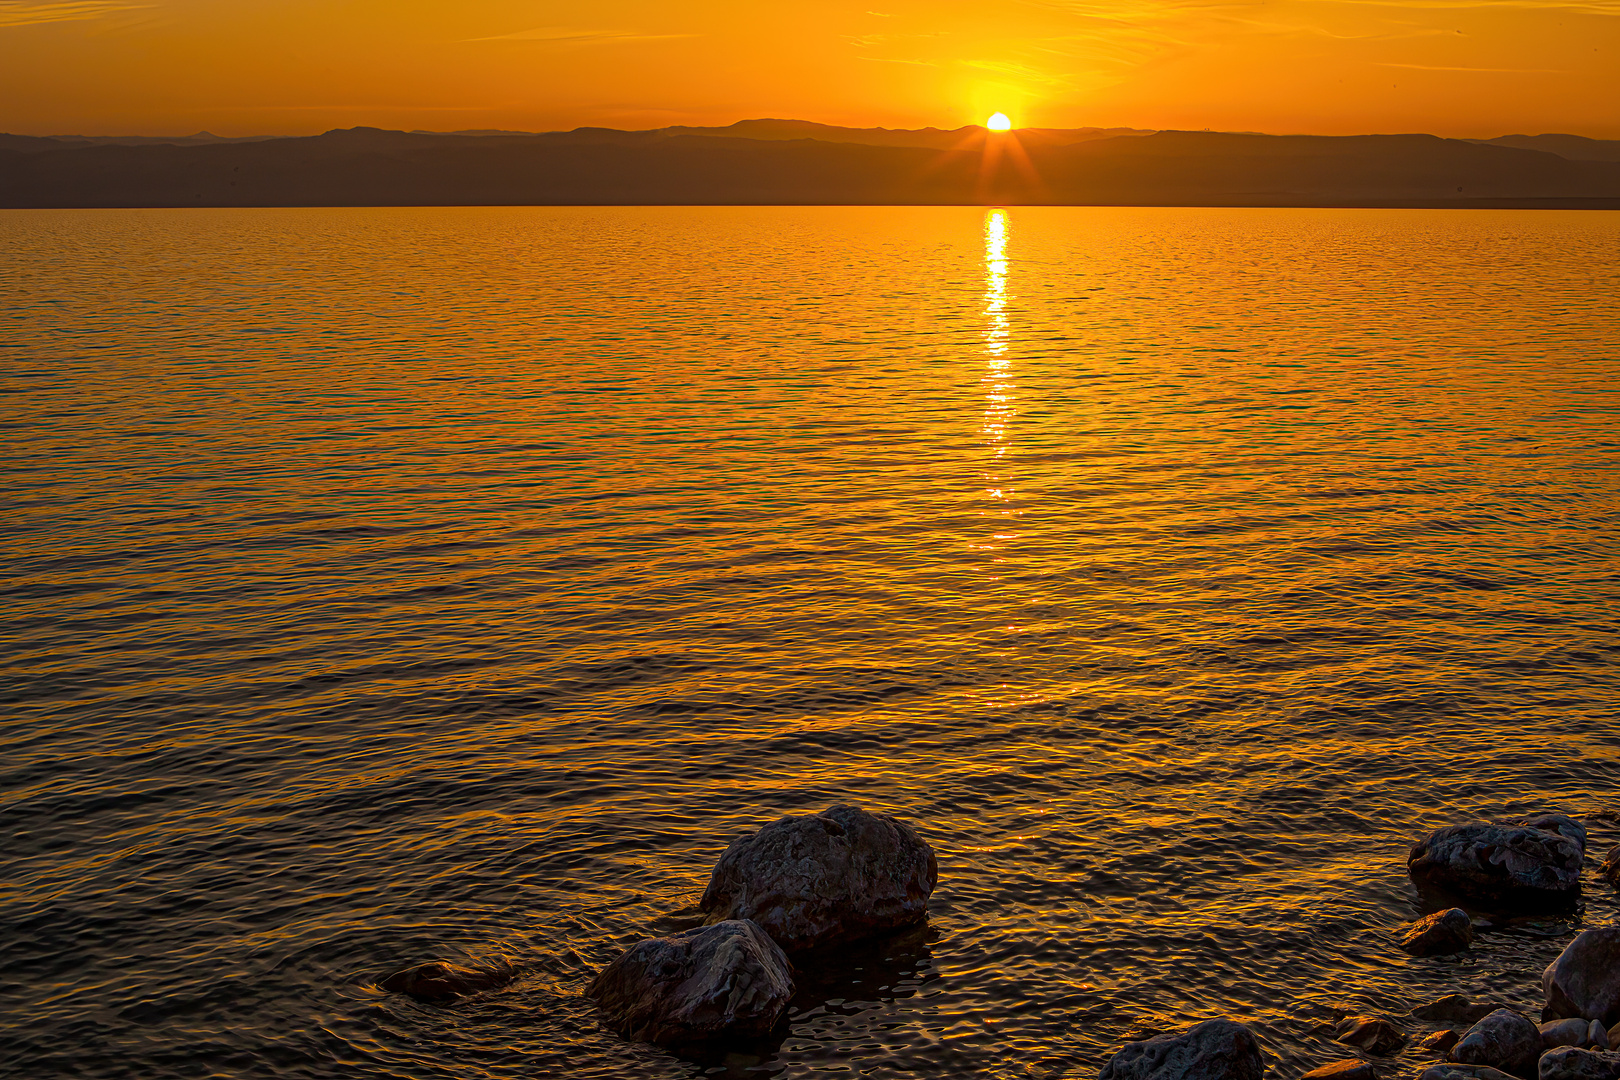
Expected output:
(1504, 866)
(1348, 1069)
(1503, 1040)
(1373, 1034)
(1585, 979)
(1438, 934)
(1562, 824)
(725, 979)
(1213, 1050)
(826, 878)
(441, 979)
(1454, 1008)
(1571, 1063)
(1610, 870)
(1564, 1033)
(1440, 1041)
(1596, 1036)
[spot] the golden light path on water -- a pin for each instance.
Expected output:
(1001, 406)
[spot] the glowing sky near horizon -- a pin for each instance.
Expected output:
(1452, 67)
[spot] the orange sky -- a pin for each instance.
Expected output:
(1452, 67)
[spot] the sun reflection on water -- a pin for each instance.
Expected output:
(1000, 400)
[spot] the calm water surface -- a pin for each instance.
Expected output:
(390, 584)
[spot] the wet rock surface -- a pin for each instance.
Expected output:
(439, 979)
(1373, 1034)
(1571, 1063)
(1503, 1040)
(1443, 932)
(821, 879)
(1213, 1050)
(1572, 1032)
(1349, 1069)
(1584, 981)
(1562, 824)
(728, 979)
(1505, 867)
(1452, 1070)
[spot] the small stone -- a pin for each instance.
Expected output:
(1348, 1069)
(1584, 980)
(438, 979)
(728, 979)
(1504, 1040)
(1373, 1034)
(1596, 1035)
(1439, 934)
(1454, 1008)
(1570, 1063)
(1564, 1033)
(1440, 1041)
(1213, 1050)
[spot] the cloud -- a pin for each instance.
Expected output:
(22, 13)
(575, 34)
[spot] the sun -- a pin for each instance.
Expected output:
(998, 122)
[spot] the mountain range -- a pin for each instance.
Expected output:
(798, 162)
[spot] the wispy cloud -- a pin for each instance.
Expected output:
(576, 34)
(27, 13)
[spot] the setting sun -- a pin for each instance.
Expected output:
(998, 122)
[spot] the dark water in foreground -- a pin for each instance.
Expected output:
(388, 584)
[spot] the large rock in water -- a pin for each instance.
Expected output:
(1585, 979)
(1213, 1050)
(824, 878)
(1505, 867)
(1504, 1040)
(726, 979)
(1439, 934)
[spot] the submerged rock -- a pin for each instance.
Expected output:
(1213, 1050)
(1504, 1040)
(1573, 1032)
(1454, 1008)
(1508, 867)
(1438, 934)
(1349, 1069)
(1571, 1063)
(1610, 869)
(1585, 979)
(438, 979)
(1440, 1041)
(824, 878)
(726, 979)
(1372, 1033)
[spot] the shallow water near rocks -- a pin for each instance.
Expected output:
(400, 583)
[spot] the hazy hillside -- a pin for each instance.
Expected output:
(367, 166)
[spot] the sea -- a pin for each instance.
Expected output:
(382, 585)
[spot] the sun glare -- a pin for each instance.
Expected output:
(998, 122)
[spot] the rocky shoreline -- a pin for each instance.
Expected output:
(806, 884)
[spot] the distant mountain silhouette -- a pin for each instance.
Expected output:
(1574, 147)
(795, 162)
